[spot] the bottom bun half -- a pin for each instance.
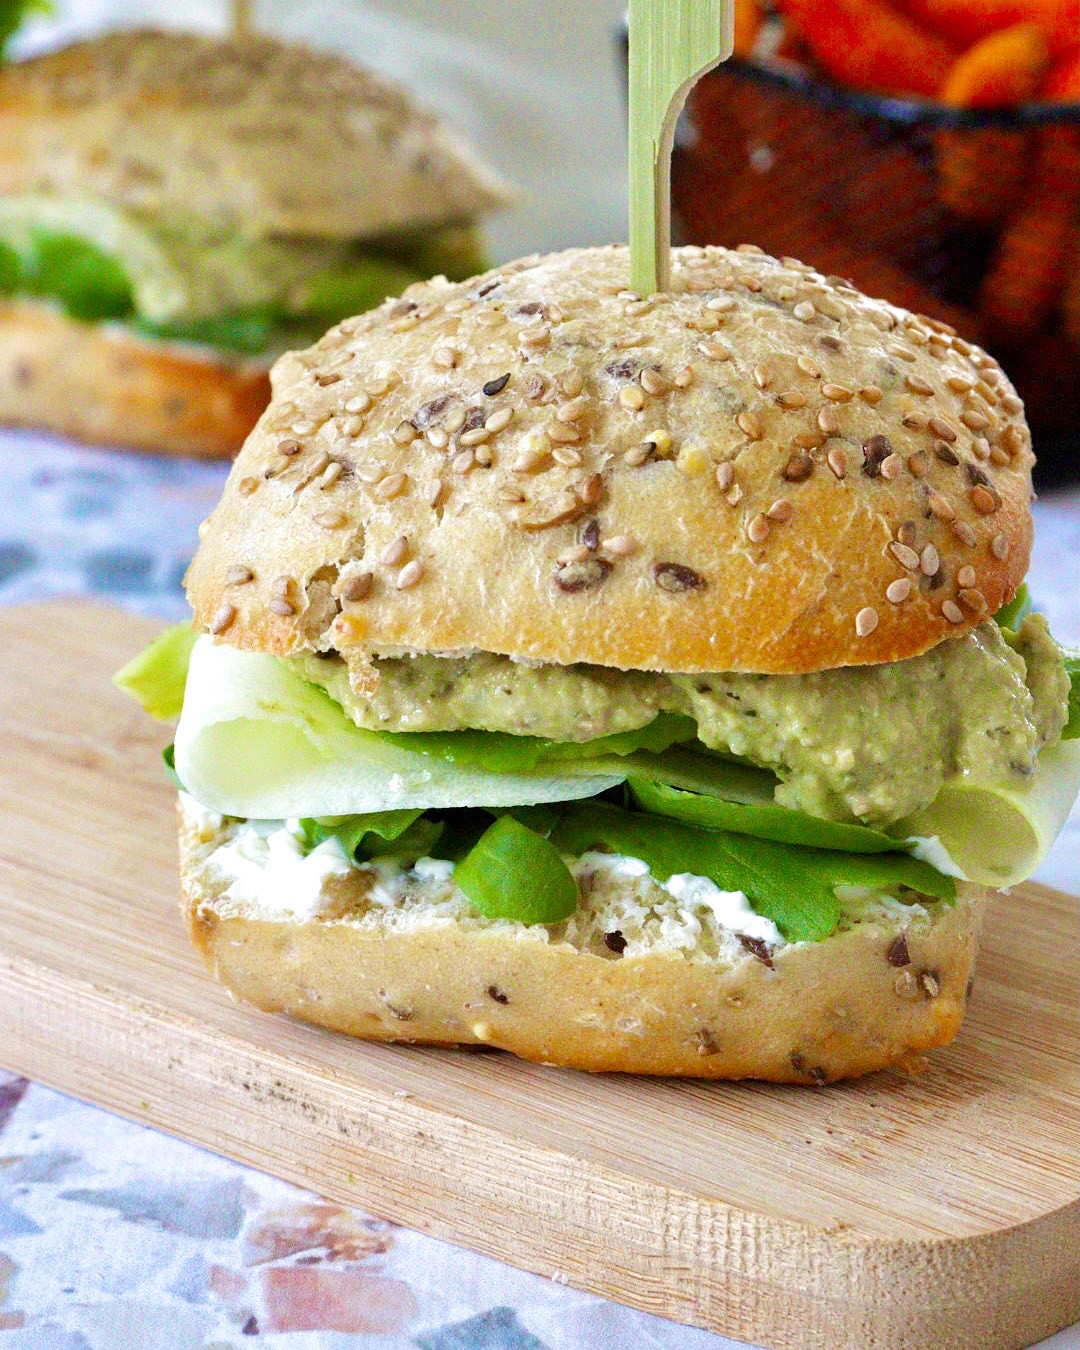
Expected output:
(427, 968)
(102, 384)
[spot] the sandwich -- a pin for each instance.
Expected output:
(631, 683)
(177, 210)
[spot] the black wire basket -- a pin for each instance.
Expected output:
(971, 217)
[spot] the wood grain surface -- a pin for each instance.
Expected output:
(940, 1211)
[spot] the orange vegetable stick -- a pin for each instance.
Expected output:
(966, 21)
(1026, 282)
(866, 44)
(980, 171)
(1001, 71)
(747, 23)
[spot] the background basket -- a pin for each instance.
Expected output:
(971, 217)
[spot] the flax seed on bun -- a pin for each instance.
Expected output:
(763, 470)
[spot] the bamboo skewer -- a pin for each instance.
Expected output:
(672, 44)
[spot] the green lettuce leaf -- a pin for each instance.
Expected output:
(340, 292)
(1072, 726)
(157, 677)
(405, 835)
(499, 752)
(1013, 614)
(794, 887)
(14, 13)
(764, 821)
(90, 284)
(512, 872)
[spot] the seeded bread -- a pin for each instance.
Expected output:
(246, 133)
(432, 970)
(105, 385)
(763, 470)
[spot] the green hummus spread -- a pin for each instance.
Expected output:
(871, 743)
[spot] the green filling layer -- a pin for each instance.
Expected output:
(186, 285)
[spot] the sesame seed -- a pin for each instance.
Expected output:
(757, 531)
(331, 377)
(761, 377)
(536, 335)
(391, 486)
(510, 493)
(999, 547)
(808, 440)
(653, 382)
(684, 379)
(981, 446)
(918, 465)
(462, 462)
(446, 358)
(866, 621)
(715, 351)
(404, 433)
(567, 456)
(222, 619)
(837, 393)
(984, 499)
(791, 398)
(891, 466)
(395, 551)
(905, 556)
(590, 492)
(288, 448)
(828, 421)
(370, 473)
(455, 421)
(247, 486)
(1012, 440)
(798, 468)
(661, 440)
(942, 451)
(497, 385)
(904, 353)
(571, 382)
(906, 533)
(279, 605)
(941, 428)
(410, 574)
(915, 421)
(331, 520)
(572, 411)
(281, 585)
(619, 546)
(437, 438)
(965, 533)
(952, 612)
(929, 561)
(721, 304)
(898, 591)
(804, 310)
(735, 496)
(725, 476)
(676, 578)
(575, 554)
(278, 465)
(780, 510)
(562, 434)
(749, 424)
(358, 587)
(974, 420)
(939, 507)
(239, 575)
(305, 428)
(966, 576)
(917, 384)
(837, 461)
(474, 436)
(358, 403)
(329, 475)
(638, 454)
(632, 397)
(960, 384)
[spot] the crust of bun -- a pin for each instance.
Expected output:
(820, 1012)
(101, 384)
(247, 132)
(763, 470)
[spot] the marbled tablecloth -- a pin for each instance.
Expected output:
(116, 1237)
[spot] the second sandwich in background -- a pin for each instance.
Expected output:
(176, 210)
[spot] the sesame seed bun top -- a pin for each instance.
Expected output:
(244, 133)
(763, 470)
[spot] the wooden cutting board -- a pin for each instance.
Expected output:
(938, 1211)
